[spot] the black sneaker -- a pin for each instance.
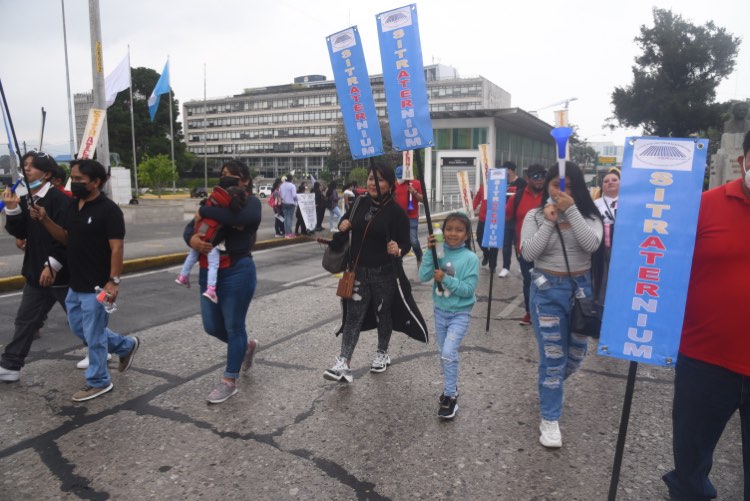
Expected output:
(485, 260)
(448, 407)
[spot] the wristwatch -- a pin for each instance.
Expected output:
(114, 280)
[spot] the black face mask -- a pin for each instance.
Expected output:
(79, 190)
(228, 182)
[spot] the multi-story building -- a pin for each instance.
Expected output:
(281, 128)
(82, 102)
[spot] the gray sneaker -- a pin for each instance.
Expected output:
(89, 392)
(127, 360)
(339, 372)
(252, 347)
(9, 376)
(222, 392)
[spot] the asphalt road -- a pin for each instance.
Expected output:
(289, 434)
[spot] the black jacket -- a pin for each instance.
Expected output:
(39, 243)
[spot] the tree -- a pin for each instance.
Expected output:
(156, 172)
(340, 158)
(675, 78)
(151, 138)
(359, 175)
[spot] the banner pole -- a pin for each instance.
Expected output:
(15, 140)
(426, 203)
(489, 302)
(624, 419)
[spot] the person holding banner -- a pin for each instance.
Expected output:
(406, 190)
(712, 376)
(380, 233)
(299, 226)
(566, 229)
(515, 184)
(320, 205)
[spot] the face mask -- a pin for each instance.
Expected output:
(79, 190)
(34, 184)
(747, 179)
(228, 182)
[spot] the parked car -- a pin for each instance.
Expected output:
(264, 190)
(198, 192)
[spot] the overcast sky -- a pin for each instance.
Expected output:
(540, 52)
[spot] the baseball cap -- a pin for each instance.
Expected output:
(535, 169)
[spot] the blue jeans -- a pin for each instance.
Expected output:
(526, 274)
(88, 321)
(214, 260)
(334, 213)
(288, 211)
(450, 329)
(705, 398)
(414, 237)
(226, 320)
(560, 351)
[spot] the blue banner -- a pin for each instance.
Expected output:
(494, 225)
(403, 78)
(355, 94)
(652, 249)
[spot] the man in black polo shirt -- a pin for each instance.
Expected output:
(93, 231)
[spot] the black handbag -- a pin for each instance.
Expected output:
(586, 316)
(336, 258)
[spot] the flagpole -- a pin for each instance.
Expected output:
(171, 131)
(97, 67)
(67, 81)
(132, 128)
(205, 124)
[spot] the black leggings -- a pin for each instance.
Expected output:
(374, 288)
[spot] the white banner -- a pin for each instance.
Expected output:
(91, 134)
(465, 191)
(484, 163)
(306, 202)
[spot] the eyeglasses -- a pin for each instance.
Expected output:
(38, 153)
(537, 176)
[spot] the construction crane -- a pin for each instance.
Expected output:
(558, 103)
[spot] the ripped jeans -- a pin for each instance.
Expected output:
(450, 329)
(560, 351)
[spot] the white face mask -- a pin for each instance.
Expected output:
(747, 179)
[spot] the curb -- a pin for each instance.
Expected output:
(14, 283)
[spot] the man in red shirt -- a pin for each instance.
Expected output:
(712, 377)
(405, 190)
(529, 197)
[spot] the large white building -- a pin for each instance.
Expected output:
(281, 128)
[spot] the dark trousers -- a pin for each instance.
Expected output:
(278, 226)
(300, 227)
(320, 213)
(36, 302)
(705, 398)
(526, 274)
(489, 254)
(509, 239)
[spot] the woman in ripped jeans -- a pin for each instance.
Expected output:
(573, 215)
(380, 233)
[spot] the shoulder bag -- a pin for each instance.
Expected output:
(336, 259)
(586, 316)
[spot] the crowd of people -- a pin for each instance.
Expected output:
(73, 250)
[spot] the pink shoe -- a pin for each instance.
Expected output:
(183, 280)
(211, 294)
(291, 235)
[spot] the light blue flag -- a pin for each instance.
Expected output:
(162, 87)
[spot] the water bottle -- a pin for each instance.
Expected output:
(539, 280)
(439, 239)
(103, 297)
(449, 270)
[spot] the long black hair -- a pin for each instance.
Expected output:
(241, 170)
(578, 189)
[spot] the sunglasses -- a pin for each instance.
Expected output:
(537, 176)
(40, 154)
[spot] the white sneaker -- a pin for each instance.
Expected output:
(550, 434)
(503, 273)
(339, 372)
(84, 364)
(9, 376)
(380, 362)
